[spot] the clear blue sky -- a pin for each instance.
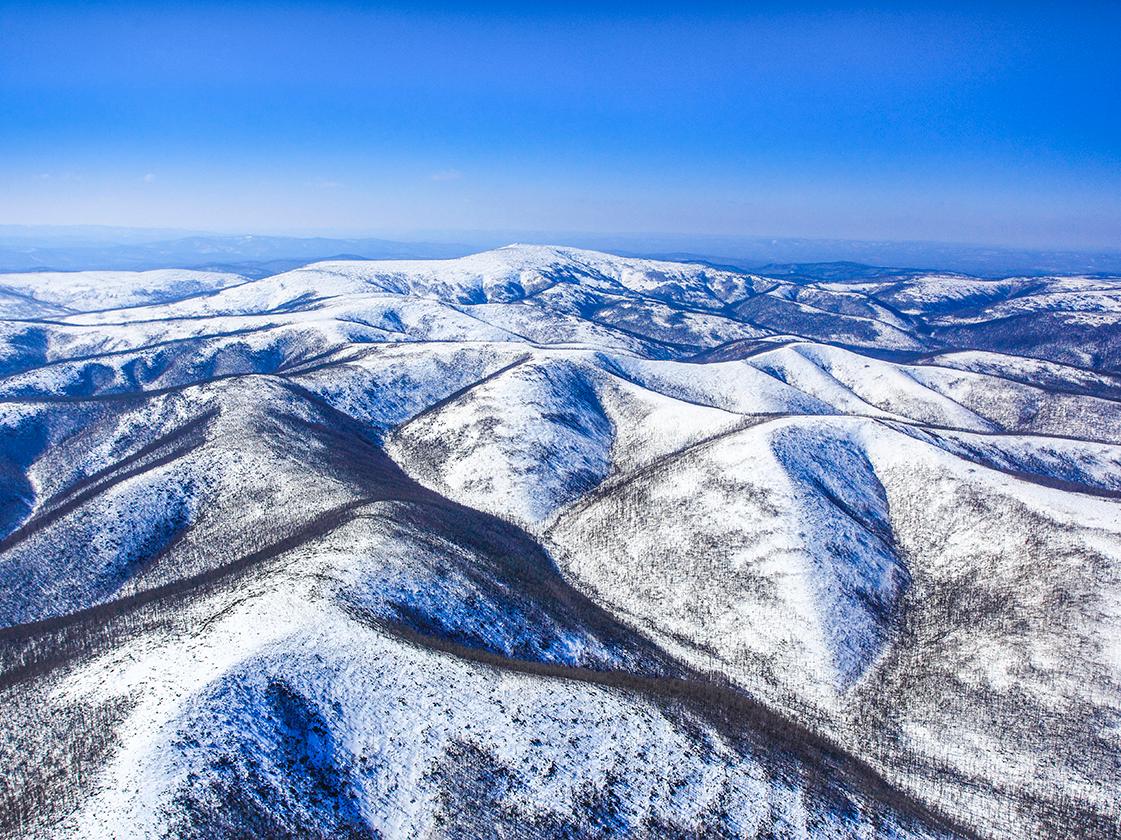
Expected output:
(998, 125)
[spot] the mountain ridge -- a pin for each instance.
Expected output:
(492, 468)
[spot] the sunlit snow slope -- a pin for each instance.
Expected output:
(549, 543)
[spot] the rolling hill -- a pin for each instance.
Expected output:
(545, 542)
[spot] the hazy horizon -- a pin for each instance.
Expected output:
(468, 236)
(69, 248)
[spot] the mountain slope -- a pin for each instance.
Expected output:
(544, 542)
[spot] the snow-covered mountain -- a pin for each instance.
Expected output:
(544, 542)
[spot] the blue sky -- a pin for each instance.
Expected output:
(985, 123)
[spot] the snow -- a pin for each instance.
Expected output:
(602, 472)
(399, 716)
(90, 291)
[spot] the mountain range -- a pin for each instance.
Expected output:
(548, 542)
